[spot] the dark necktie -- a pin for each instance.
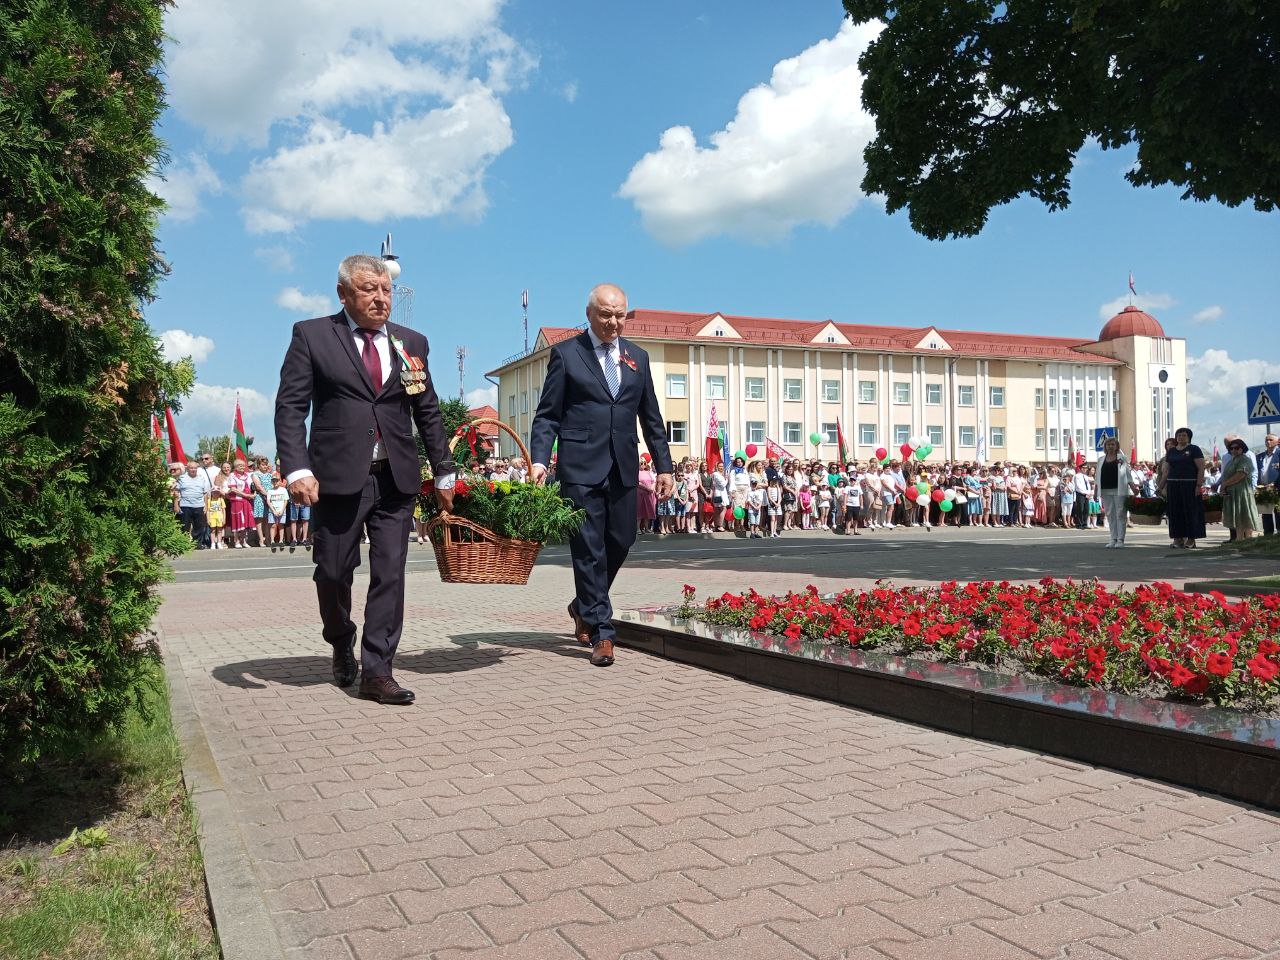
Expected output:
(370, 357)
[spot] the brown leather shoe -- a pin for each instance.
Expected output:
(581, 632)
(602, 654)
(384, 690)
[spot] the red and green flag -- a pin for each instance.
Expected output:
(714, 441)
(844, 451)
(176, 453)
(239, 436)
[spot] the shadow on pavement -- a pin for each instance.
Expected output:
(561, 645)
(318, 670)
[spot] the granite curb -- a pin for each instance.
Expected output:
(239, 914)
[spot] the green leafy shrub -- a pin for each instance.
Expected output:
(84, 518)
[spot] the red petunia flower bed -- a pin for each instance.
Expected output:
(1149, 641)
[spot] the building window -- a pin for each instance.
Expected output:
(997, 396)
(933, 394)
(1053, 437)
(935, 436)
(719, 333)
(830, 433)
(1079, 439)
(792, 389)
(1115, 400)
(1039, 398)
(901, 392)
(753, 388)
(867, 434)
(866, 391)
(677, 431)
(1053, 399)
(791, 433)
(1066, 399)
(1102, 400)
(755, 431)
(997, 437)
(511, 405)
(524, 402)
(715, 388)
(967, 437)
(964, 394)
(677, 385)
(1079, 399)
(831, 391)
(1091, 399)
(901, 432)
(1039, 438)
(831, 338)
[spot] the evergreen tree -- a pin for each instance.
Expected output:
(85, 523)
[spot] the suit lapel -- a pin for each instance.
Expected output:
(396, 364)
(343, 332)
(627, 376)
(592, 360)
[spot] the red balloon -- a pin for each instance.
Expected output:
(881, 453)
(911, 493)
(937, 495)
(752, 450)
(906, 450)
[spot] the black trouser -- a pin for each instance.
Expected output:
(338, 525)
(600, 547)
(1080, 512)
(193, 521)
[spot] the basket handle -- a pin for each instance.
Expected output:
(490, 421)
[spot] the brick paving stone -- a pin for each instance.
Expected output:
(706, 818)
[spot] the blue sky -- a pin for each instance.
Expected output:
(554, 146)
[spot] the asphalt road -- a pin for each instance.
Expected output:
(904, 553)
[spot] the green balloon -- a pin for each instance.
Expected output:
(922, 488)
(921, 452)
(927, 448)
(883, 461)
(815, 438)
(740, 455)
(738, 513)
(946, 506)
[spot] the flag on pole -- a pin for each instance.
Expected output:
(1071, 449)
(239, 435)
(844, 451)
(1131, 289)
(714, 441)
(980, 454)
(157, 437)
(1133, 450)
(774, 449)
(176, 454)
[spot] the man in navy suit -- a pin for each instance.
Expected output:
(1269, 475)
(596, 387)
(365, 382)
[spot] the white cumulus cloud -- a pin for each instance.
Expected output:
(183, 183)
(482, 397)
(176, 344)
(570, 91)
(209, 410)
(1143, 301)
(413, 167)
(792, 154)
(1210, 314)
(316, 304)
(1215, 392)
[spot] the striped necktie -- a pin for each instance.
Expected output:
(610, 369)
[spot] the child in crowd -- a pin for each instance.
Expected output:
(277, 510)
(217, 515)
(755, 503)
(773, 497)
(804, 503)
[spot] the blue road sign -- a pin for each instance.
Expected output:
(1102, 433)
(1262, 402)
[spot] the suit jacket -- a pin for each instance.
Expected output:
(323, 373)
(1264, 458)
(596, 430)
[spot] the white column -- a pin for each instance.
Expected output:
(735, 426)
(817, 393)
(851, 402)
(805, 419)
(884, 402)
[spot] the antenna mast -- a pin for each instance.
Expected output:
(462, 364)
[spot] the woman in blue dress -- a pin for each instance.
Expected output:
(1183, 479)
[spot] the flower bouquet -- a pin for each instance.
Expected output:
(496, 528)
(1267, 498)
(1145, 510)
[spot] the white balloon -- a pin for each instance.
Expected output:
(949, 495)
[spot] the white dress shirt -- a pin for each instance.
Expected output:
(603, 357)
(381, 344)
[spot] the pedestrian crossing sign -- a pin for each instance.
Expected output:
(1263, 403)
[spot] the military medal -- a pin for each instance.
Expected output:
(413, 372)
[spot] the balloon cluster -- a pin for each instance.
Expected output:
(919, 447)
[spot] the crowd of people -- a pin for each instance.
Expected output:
(233, 506)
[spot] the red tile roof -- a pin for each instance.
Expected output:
(1131, 322)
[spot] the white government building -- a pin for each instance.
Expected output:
(1026, 396)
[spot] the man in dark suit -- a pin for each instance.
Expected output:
(365, 382)
(1269, 476)
(596, 387)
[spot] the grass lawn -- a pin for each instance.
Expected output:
(1255, 582)
(1254, 546)
(130, 886)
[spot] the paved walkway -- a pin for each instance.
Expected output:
(530, 806)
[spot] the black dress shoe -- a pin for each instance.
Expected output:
(345, 668)
(384, 690)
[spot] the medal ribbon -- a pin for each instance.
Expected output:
(410, 363)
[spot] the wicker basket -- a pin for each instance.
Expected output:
(1145, 520)
(468, 553)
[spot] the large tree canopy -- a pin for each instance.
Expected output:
(977, 102)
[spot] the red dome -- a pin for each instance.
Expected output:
(1131, 322)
